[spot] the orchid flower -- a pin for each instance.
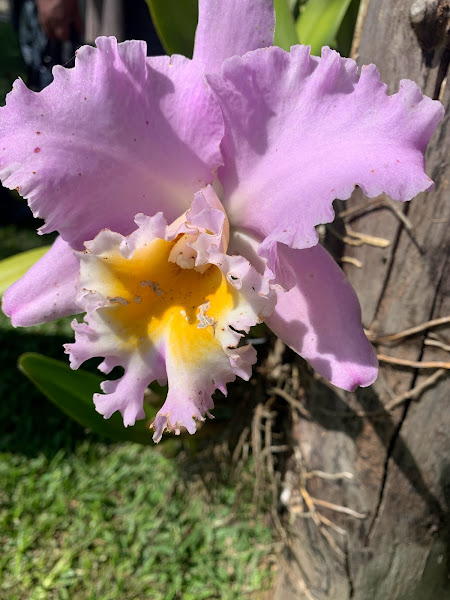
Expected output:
(186, 194)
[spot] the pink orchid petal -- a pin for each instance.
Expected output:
(320, 319)
(191, 386)
(302, 131)
(117, 135)
(232, 28)
(46, 291)
(126, 394)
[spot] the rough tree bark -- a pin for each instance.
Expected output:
(395, 549)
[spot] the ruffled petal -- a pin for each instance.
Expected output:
(116, 135)
(320, 319)
(232, 28)
(160, 321)
(302, 131)
(191, 385)
(46, 291)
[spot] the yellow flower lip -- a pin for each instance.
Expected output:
(167, 303)
(151, 298)
(160, 321)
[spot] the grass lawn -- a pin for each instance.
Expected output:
(84, 518)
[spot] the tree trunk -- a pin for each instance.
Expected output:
(395, 548)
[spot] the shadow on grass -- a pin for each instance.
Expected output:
(29, 423)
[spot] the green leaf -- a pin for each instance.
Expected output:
(319, 22)
(175, 22)
(285, 31)
(344, 36)
(13, 267)
(72, 391)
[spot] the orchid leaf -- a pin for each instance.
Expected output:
(175, 22)
(72, 391)
(344, 36)
(319, 22)
(285, 31)
(13, 267)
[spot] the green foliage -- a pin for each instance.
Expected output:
(314, 22)
(344, 37)
(72, 391)
(13, 267)
(285, 31)
(11, 65)
(14, 239)
(175, 22)
(319, 22)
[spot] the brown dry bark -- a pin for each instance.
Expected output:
(399, 458)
